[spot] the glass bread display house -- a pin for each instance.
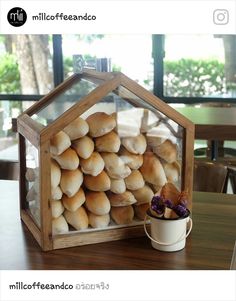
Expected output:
(93, 152)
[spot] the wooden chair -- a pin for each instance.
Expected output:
(209, 176)
(231, 177)
(9, 170)
(223, 152)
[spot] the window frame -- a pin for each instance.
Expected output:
(158, 54)
(58, 74)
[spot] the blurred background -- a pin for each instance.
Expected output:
(183, 70)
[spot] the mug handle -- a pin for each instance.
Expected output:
(172, 243)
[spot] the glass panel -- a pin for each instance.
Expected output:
(199, 66)
(64, 100)
(123, 134)
(157, 128)
(32, 181)
(9, 111)
(233, 260)
(25, 64)
(120, 49)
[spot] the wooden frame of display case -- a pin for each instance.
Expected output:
(40, 138)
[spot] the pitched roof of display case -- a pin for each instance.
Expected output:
(107, 82)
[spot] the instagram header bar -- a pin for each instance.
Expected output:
(68, 17)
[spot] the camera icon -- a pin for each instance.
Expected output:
(221, 16)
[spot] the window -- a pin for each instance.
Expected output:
(185, 69)
(195, 68)
(130, 54)
(26, 73)
(31, 65)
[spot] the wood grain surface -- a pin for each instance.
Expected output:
(209, 246)
(212, 123)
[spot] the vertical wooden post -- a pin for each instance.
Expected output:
(188, 160)
(45, 195)
(22, 164)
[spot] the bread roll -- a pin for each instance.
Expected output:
(114, 166)
(68, 159)
(128, 122)
(118, 185)
(98, 221)
(32, 194)
(99, 183)
(167, 151)
(121, 199)
(135, 145)
(143, 195)
(77, 219)
(73, 203)
(59, 143)
(172, 171)
(84, 147)
(152, 170)
(171, 192)
(135, 120)
(71, 181)
(168, 213)
(57, 208)
(31, 174)
(122, 215)
(134, 181)
(100, 124)
(55, 174)
(149, 120)
(132, 160)
(153, 142)
(156, 189)
(93, 165)
(114, 116)
(157, 135)
(108, 143)
(59, 225)
(56, 193)
(35, 212)
(77, 128)
(97, 202)
(140, 210)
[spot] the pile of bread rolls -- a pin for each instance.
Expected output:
(101, 175)
(32, 196)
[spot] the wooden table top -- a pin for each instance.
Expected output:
(212, 123)
(209, 246)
